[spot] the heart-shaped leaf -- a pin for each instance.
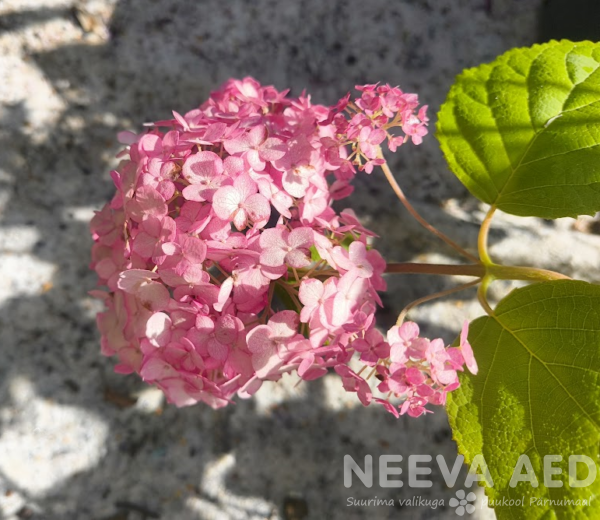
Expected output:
(523, 133)
(537, 393)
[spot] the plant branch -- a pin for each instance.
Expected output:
(483, 237)
(434, 296)
(492, 271)
(400, 194)
(477, 270)
(531, 274)
(482, 295)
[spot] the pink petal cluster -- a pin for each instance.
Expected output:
(420, 370)
(378, 115)
(226, 265)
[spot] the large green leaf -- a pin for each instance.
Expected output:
(537, 393)
(523, 132)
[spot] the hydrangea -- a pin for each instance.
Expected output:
(225, 264)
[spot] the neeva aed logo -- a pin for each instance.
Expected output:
(419, 466)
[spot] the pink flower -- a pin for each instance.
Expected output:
(297, 167)
(354, 261)
(196, 272)
(339, 308)
(437, 356)
(152, 233)
(193, 217)
(416, 126)
(388, 406)
(315, 204)
(372, 347)
(152, 295)
(466, 349)
(369, 140)
(158, 329)
(256, 148)
(414, 406)
(354, 383)
(217, 337)
(395, 142)
(266, 342)
(147, 202)
(279, 246)
(279, 199)
(370, 102)
(405, 342)
(241, 203)
(204, 172)
(107, 226)
(313, 293)
(184, 258)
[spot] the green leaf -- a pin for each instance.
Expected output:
(283, 300)
(537, 393)
(314, 254)
(523, 133)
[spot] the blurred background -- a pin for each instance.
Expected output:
(80, 442)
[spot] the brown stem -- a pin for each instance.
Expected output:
(400, 194)
(430, 297)
(477, 270)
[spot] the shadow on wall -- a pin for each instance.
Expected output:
(162, 462)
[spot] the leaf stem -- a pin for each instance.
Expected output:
(532, 274)
(504, 272)
(442, 269)
(434, 296)
(492, 271)
(483, 237)
(482, 295)
(400, 194)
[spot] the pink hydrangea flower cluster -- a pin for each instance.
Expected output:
(421, 371)
(227, 266)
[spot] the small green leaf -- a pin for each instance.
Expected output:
(348, 239)
(523, 132)
(537, 393)
(314, 254)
